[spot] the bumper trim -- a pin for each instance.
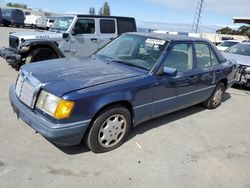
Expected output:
(61, 134)
(11, 56)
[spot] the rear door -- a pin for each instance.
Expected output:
(207, 68)
(84, 42)
(107, 31)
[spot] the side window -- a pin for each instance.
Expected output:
(205, 56)
(125, 26)
(180, 57)
(107, 26)
(85, 26)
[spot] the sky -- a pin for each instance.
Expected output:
(161, 13)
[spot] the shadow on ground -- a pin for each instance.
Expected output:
(147, 126)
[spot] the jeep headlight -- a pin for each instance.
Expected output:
(54, 106)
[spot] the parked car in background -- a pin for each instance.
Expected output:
(227, 44)
(50, 21)
(30, 20)
(69, 36)
(41, 22)
(241, 54)
(136, 77)
(13, 17)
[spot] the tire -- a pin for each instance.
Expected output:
(109, 130)
(215, 99)
(40, 54)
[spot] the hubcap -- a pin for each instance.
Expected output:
(112, 131)
(218, 96)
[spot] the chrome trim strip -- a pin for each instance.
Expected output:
(174, 97)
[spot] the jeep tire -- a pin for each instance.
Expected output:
(40, 54)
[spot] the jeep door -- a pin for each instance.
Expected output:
(83, 37)
(107, 31)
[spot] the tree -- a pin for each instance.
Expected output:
(106, 9)
(243, 30)
(100, 12)
(16, 5)
(92, 11)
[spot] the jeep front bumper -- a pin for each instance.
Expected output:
(11, 56)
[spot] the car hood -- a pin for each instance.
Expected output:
(240, 59)
(65, 75)
(41, 35)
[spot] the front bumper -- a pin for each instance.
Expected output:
(11, 56)
(60, 134)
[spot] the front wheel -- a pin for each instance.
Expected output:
(109, 130)
(40, 54)
(215, 99)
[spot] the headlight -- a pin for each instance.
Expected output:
(54, 106)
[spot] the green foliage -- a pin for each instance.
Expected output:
(243, 30)
(105, 10)
(92, 11)
(16, 5)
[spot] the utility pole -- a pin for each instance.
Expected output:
(197, 17)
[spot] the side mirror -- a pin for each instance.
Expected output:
(170, 71)
(65, 35)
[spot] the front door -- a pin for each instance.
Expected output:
(83, 38)
(174, 93)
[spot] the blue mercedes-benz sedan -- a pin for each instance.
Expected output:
(133, 79)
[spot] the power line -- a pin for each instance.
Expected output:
(197, 17)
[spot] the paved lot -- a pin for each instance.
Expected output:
(192, 148)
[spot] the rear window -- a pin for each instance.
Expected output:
(125, 26)
(107, 26)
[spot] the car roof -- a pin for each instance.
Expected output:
(169, 37)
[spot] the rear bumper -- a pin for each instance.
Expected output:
(11, 56)
(60, 134)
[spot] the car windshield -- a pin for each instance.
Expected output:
(61, 24)
(134, 50)
(228, 43)
(241, 49)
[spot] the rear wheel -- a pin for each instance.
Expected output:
(109, 130)
(40, 54)
(215, 100)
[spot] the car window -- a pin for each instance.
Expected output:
(107, 26)
(205, 57)
(125, 26)
(140, 51)
(180, 57)
(85, 26)
(240, 48)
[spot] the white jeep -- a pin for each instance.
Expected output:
(69, 36)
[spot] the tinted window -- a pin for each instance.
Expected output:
(107, 26)
(180, 57)
(85, 26)
(205, 56)
(125, 26)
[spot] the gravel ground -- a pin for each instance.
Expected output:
(191, 148)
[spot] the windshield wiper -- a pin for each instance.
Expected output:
(127, 63)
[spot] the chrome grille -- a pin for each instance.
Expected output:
(25, 91)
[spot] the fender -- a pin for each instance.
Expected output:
(31, 45)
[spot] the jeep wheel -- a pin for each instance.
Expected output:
(40, 54)
(109, 130)
(215, 99)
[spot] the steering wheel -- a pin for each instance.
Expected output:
(150, 58)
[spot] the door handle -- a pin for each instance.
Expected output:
(93, 39)
(218, 71)
(112, 38)
(193, 77)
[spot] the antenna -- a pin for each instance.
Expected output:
(197, 17)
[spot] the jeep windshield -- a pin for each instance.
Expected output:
(134, 50)
(61, 24)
